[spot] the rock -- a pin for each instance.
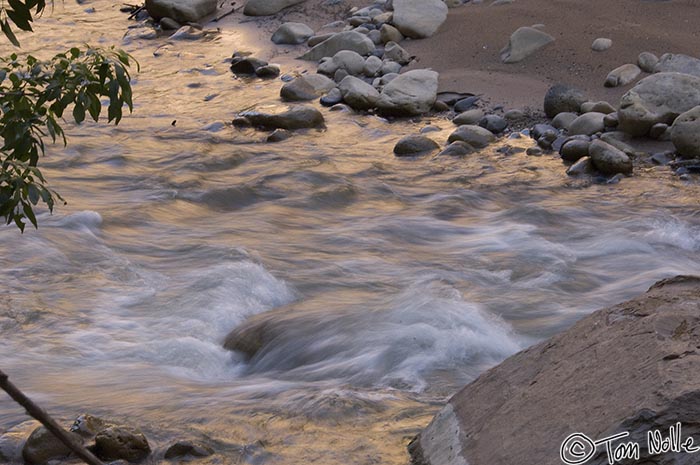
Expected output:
(469, 117)
(292, 34)
(185, 448)
(382, 18)
(351, 62)
(375, 36)
(418, 19)
(169, 24)
(410, 146)
(582, 167)
(278, 135)
(601, 44)
(358, 94)
(608, 159)
(340, 75)
(181, 11)
(544, 130)
(295, 117)
(561, 98)
(476, 136)
(677, 63)
(390, 67)
(465, 104)
(574, 149)
(588, 124)
(685, 133)
(411, 93)
(268, 71)
(658, 98)
(267, 7)
(617, 360)
(493, 123)
(394, 52)
(622, 75)
(647, 62)
(440, 107)
(346, 40)
(524, 42)
(533, 151)
(659, 131)
(389, 33)
(514, 115)
(372, 66)
(457, 148)
(308, 87)
(333, 97)
(597, 107)
(121, 443)
(246, 65)
(42, 446)
(315, 40)
(563, 120)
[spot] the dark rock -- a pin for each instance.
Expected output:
(574, 149)
(182, 11)
(476, 136)
(608, 159)
(246, 65)
(169, 24)
(457, 149)
(466, 103)
(268, 71)
(295, 117)
(493, 123)
(121, 443)
(185, 448)
(278, 135)
(560, 98)
(333, 97)
(42, 446)
(414, 145)
(582, 167)
(539, 130)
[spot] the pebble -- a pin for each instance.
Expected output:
(601, 44)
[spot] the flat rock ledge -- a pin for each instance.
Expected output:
(633, 367)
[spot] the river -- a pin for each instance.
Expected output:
(395, 281)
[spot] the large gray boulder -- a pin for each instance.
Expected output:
(182, 11)
(418, 19)
(346, 40)
(267, 7)
(294, 117)
(678, 63)
(308, 87)
(658, 98)
(685, 133)
(524, 42)
(411, 93)
(358, 94)
(628, 368)
(292, 34)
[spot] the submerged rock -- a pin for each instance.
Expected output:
(182, 11)
(42, 446)
(294, 117)
(185, 448)
(410, 146)
(267, 7)
(121, 443)
(476, 136)
(630, 368)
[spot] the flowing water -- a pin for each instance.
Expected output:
(391, 282)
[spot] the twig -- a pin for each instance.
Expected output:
(136, 11)
(40, 414)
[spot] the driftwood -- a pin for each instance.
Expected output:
(49, 423)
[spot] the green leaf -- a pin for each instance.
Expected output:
(78, 112)
(5, 27)
(29, 213)
(33, 194)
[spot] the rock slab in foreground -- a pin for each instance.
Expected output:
(631, 367)
(419, 19)
(182, 11)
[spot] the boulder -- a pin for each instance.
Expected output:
(346, 40)
(494, 123)
(563, 120)
(388, 33)
(246, 65)
(410, 146)
(42, 446)
(609, 160)
(418, 19)
(267, 7)
(121, 443)
(372, 66)
(182, 11)
(562, 98)
(358, 94)
(574, 149)
(622, 75)
(598, 107)
(292, 34)
(457, 148)
(307, 87)
(582, 167)
(469, 117)
(678, 63)
(294, 117)
(395, 52)
(524, 42)
(658, 98)
(685, 133)
(476, 136)
(187, 448)
(351, 62)
(647, 62)
(588, 124)
(627, 368)
(411, 93)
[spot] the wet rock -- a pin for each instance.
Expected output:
(617, 360)
(588, 124)
(601, 44)
(418, 19)
(678, 63)
(440, 107)
(574, 149)
(582, 167)
(169, 24)
(278, 135)
(658, 98)
(608, 159)
(294, 117)
(268, 71)
(685, 133)
(493, 123)
(410, 146)
(562, 98)
(292, 34)
(42, 447)
(543, 130)
(394, 52)
(267, 7)
(476, 136)
(411, 93)
(466, 103)
(181, 11)
(333, 97)
(524, 42)
(246, 65)
(534, 151)
(187, 448)
(346, 40)
(121, 443)
(358, 94)
(563, 120)
(389, 33)
(647, 62)
(457, 148)
(622, 75)
(351, 62)
(469, 117)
